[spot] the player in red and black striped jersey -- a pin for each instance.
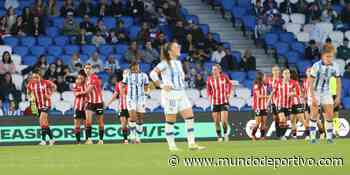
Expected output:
(120, 93)
(219, 88)
(79, 105)
(297, 113)
(42, 90)
(260, 102)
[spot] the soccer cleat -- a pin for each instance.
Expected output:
(313, 141)
(322, 136)
(125, 142)
(226, 138)
(295, 137)
(174, 148)
(330, 141)
(100, 142)
(138, 140)
(42, 143)
(284, 138)
(307, 138)
(263, 138)
(220, 139)
(51, 142)
(196, 147)
(89, 142)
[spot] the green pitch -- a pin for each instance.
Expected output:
(152, 158)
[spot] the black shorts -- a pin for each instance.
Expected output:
(297, 109)
(260, 113)
(95, 107)
(273, 109)
(123, 113)
(220, 108)
(307, 108)
(336, 108)
(79, 115)
(286, 111)
(43, 109)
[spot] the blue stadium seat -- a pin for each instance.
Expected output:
(145, 67)
(58, 21)
(249, 22)
(197, 109)
(55, 112)
(44, 41)
(226, 45)
(124, 66)
(184, 12)
(205, 28)
(346, 102)
(208, 66)
(121, 48)
(69, 112)
(128, 21)
(238, 12)
(28, 60)
(54, 51)
(233, 109)
(88, 49)
(71, 49)
(103, 75)
(239, 76)
(345, 83)
(20, 50)
(248, 83)
(227, 4)
(158, 109)
(28, 41)
(246, 109)
(84, 58)
(10, 41)
(2, 12)
(37, 50)
(281, 48)
(302, 66)
(252, 75)
(105, 49)
(244, 3)
(237, 55)
(299, 47)
(52, 32)
(193, 18)
(293, 57)
(109, 22)
(133, 32)
(286, 37)
(183, 56)
(66, 58)
(270, 39)
(51, 59)
(110, 111)
(338, 8)
(61, 40)
(216, 37)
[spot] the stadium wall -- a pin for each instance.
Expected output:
(25, 129)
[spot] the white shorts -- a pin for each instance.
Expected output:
(323, 98)
(174, 101)
(136, 105)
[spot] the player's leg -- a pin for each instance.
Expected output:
(282, 123)
(139, 126)
(124, 126)
(307, 121)
(301, 118)
(132, 124)
(43, 126)
(336, 121)
(313, 122)
(320, 124)
(328, 108)
(293, 119)
(256, 127)
(170, 120)
(276, 120)
(101, 123)
(224, 121)
(216, 119)
(88, 122)
(263, 127)
(77, 130)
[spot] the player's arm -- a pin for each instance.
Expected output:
(312, 90)
(229, 87)
(209, 90)
(146, 82)
(155, 76)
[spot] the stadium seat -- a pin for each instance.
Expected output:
(252, 75)
(51, 59)
(292, 27)
(54, 51)
(28, 41)
(216, 37)
(29, 60)
(238, 12)
(128, 21)
(293, 57)
(239, 76)
(52, 32)
(202, 103)
(237, 102)
(158, 109)
(297, 18)
(281, 48)
(244, 3)
(37, 50)
(61, 40)
(58, 21)
(249, 22)
(44, 41)
(303, 37)
(184, 12)
(20, 50)
(17, 79)
(299, 47)
(246, 109)
(55, 112)
(286, 37)
(302, 66)
(109, 22)
(197, 109)
(69, 112)
(105, 49)
(248, 83)
(84, 58)
(121, 48)
(4, 48)
(243, 93)
(133, 32)
(286, 18)
(145, 67)
(227, 4)
(193, 18)
(204, 28)
(345, 83)
(233, 109)
(346, 102)
(71, 49)
(10, 41)
(66, 59)
(88, 49)
(271, 39)
(336, 37)
(237, 55)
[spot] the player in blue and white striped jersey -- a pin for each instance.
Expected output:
(137, 83)
(321, 73)
(173, 96)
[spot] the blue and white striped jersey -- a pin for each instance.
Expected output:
(172, 74)
(136, 83)
(322, 74)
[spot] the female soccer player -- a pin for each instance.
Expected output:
(272, 83)
(123, 115)
(260, 101)
(219, 88)
(79, 104)
(297, 113)
(173, 96)
(94, 103)
(41, 91)
(137, 83)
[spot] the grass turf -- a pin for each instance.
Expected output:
(152, 158)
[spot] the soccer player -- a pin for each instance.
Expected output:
(284, 93)
(297, 113)
(260, 101)
(94, 103)
(122, 108)
(137, 83)
(79, 104)
(219, 88)
(41, 91)
(272, 83)
(173, 96)
(321, 73)
(333, 90)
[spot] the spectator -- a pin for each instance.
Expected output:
(10, 18)
(18, 28)
(248, 61)
(198, 57)
(192, 78)
(39, 8)
(110, 84)
(52, 8)
(269, 5)
(96, 63)
(112, 37)
(117, 8)
(3, 26)
(13, 109)
(11, 4)
(82, 38)
(162, 19)
(343, 51)
(1, 109)
(51, 73)
(98, 39)
(7, 64)
(179, 31)
(228, 62)
(133, 54)
(73, 63)
(100, 26)
(112, 63)
(151, 55)
(209, 44)
(8, 90)
(102, 9)
(159, 42)
(67, 8)
(218, 54)
(328, 43)
(196, 33)
(329, 15)
(347, 72)
(85, 8)
(171, 9)
(345, 15)
(87, 25)
(144, 33)
(123, 38)
(260, 30)
(61, 68)
(313, 13)
(70, 27)
(35, 29)
(41, 64)
(200, 82)
(288, 7)
(258, 9)
(188, 46)
(119, 28)
(137, 9)
(312, 52)
(27, 16)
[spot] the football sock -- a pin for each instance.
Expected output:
(312, 127)
(329, 129)
(190, 130)
(170, 136)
